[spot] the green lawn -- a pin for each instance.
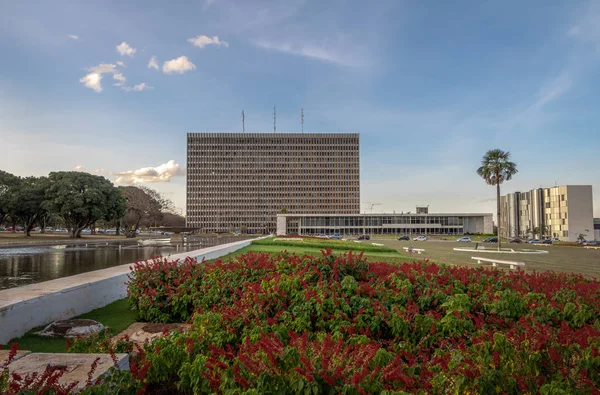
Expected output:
(117, 316)
(324, 243)
(300, 250)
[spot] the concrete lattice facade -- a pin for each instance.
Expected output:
(392, 224)
(242, 180)
(563, 212)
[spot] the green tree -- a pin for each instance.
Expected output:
(27, 201)
(496, 168)
(7, 184)
(81, 199)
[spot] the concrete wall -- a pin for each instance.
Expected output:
(580, 211)
(281, 226)
(24, 308)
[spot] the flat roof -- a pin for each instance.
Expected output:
(390, 214)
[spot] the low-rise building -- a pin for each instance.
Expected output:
(563, 212)
(390, 224)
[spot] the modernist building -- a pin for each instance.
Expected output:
(424, 223)
(596, 229)
(242, 180)
(564, 212)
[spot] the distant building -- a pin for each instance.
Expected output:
(390, 224)
(597, 229)
(240, 181)
(563, 212)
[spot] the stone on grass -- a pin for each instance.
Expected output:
(77, 366)
(76, 327)
(142, 332)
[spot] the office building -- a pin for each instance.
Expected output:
(596, 229)
(422, 223)
(240, 181)
(562, 212)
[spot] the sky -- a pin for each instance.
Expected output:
(113, 87)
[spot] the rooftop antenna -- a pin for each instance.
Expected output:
(302, 118)
(274, 120)
(243, 122)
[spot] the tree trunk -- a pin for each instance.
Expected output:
(43, 226)
(498, 216)
(14, 226)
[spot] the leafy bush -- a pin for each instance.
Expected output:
(284, 323)
(324, 244)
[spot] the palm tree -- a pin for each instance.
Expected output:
(496, 168)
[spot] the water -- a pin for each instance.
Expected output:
(28, 265)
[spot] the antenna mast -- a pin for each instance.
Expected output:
(274, 120)
(243, 122)
(302, 118)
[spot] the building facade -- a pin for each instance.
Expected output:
(562, 212)
(392, 224)
(597, 229)
(240, 181)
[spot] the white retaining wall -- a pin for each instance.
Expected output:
(24, 308)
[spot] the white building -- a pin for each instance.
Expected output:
(564, 212)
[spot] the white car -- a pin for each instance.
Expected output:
(464, 240)
(420, 238)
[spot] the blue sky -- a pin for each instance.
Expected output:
(429, 85)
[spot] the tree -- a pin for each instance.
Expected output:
(141, 205)
(496, 168)
(7, 183)
(27, 201)
(80, 199)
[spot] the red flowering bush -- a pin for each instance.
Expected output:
(338, 324)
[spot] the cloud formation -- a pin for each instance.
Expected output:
(120, 63)
(152, 64)
(94, 78)
(138, 88)
(78, 168)
(73, 36)
(119, 78)
(178, 65)
(162, 173)
(203, 41)
(309, 51)
(125, 49)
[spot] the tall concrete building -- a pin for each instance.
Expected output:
(564, 212)
(242, 180)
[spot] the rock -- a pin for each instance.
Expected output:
(72, 328)
(4, 356)
(142, 332)
(76, 366)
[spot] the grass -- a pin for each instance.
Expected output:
(559, 259)
(117, 316)
(322, 244)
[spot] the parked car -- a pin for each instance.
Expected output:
(464, 240)
(364, 237)
(404, 238)
(547, 241)
(323, 236)
(491, 240)
(515, 241)
(591, 243)
(337, 236)
(555, 239)
(9, 229)
(533, 241)
(420, 238)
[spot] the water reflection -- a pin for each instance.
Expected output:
(28, 265)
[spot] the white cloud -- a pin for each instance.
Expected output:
(125, 49)
(162, 173)
(152, 64)
(73, 36)
(138, 88)
(203, 41)
(309, 51)
(78, 168)
(179, 65)
(98, 171)
(119, 63)
(94, 78)
(120, 78)
(92, 81)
